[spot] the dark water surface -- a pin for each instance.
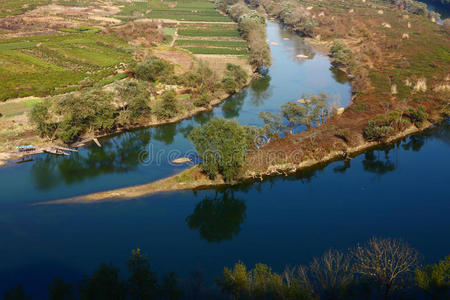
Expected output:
(401, 191)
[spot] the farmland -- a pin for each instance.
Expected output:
(57, 63)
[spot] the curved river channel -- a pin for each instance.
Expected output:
(396, 191)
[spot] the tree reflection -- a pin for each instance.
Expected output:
(218, 218)
(260, 90)
(415, 143)
(117, 155)
(339, 75)
(166, 133)
(343, 167)
(233, 105)
(375, 164)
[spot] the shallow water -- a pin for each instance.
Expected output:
(399, 191)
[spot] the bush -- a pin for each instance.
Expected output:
(229, 85)
(202, 100)
(383, 126)
(135, 94)
(417, 115)
(201, 78)
(341, 54)
(168, 106)
(154, 69)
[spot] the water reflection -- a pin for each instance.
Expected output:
(339, 75)
(260, 90)
(375, 162)
(233, 105)
(218, 218)
(165, 134)
(119, 155)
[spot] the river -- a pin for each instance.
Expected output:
(398, 191)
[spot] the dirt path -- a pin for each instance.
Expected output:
(175, 36)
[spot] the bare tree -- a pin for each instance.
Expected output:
(386, 261)
(331, 273)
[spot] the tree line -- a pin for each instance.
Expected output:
(252, 26)
(133, 101)
(378, 269)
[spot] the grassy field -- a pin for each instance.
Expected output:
(19, 6)
(186, 10)
(211, 39)
(56, 63)
(14, 108)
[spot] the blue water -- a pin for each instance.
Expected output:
(400, 191)
(143, 155)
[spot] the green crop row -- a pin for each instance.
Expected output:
(235, 44)
(224, 51)
(224, 33)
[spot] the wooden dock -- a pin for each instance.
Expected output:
(55, 151)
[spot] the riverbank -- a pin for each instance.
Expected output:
(41, 144)
(194, 179)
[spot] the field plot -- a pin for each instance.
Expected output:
(56, 63)
(201, 29)
(211, 39)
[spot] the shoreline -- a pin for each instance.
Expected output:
(9, 158)
(174, 183)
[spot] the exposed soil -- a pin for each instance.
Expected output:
(176, 57)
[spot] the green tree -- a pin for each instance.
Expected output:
(435, 279)
(273, 124)
(142, 283)
(235, 78)
(222, 145)
(153, 69)
(341, 54)
(103, 284)
(201, 78)
(235, 281)
(41, 118)
(296, 115)
(168, 106)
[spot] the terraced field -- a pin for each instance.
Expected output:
(211, 39)
(200, 28)
(57, 63)
(186, 10)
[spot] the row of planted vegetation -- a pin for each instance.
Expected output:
(154, 95)
(379, 269)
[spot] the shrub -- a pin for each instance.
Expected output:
(202, 100)
(434, 279)
(341, 54)
(383, 126)
(153, 69)
(417, 115)
(168, 107)
(202, 78)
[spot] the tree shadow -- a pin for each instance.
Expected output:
(218, 218)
